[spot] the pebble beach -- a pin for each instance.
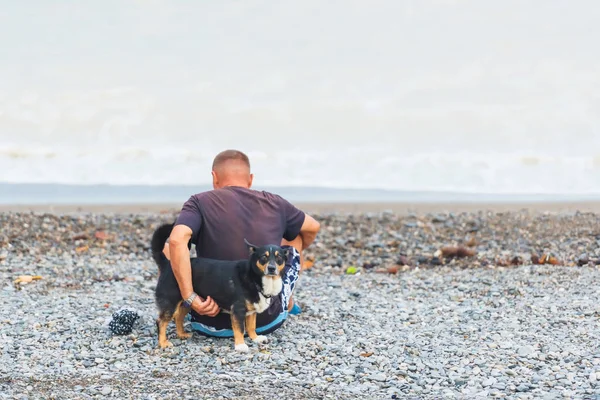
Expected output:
(472, 304)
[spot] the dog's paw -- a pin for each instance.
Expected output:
(184, 336)
(165, 344)
(242, 348)
(260, 339)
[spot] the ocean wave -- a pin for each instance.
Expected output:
(360, 168)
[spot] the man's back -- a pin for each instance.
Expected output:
(221, 219)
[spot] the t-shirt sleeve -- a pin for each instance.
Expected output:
(294, 218)
(190, 216)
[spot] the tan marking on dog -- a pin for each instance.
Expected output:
(251, 326)
(162, 333)
(178, 316)
(238, 335)
(260, 266)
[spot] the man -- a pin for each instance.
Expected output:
(219, 220)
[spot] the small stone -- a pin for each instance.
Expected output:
(461, 381)
(403, 260)
(378, 377)
(480, 362)
(106, 390)
(525, 351)
(583, 259)
(488, 382)
(438, 218)
(436, 261)
(523, 388)
(552, 348)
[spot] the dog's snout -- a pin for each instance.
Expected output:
(272, 269)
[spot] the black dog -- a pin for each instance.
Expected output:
(241, 288)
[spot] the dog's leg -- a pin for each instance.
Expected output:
(237, 325)
(162, 323)
(180, 313)
(251, 329)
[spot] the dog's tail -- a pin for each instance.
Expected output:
(159, 238)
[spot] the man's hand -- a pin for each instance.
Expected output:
(207, 307)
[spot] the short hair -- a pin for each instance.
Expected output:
(230, 155)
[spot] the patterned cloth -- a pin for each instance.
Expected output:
(122, 322)
(290, 275)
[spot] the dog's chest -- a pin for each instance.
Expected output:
(262, 304)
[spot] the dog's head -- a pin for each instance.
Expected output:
(267, 260)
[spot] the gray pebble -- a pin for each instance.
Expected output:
(489, 382)
(523, 387)
(525, 351)
(378, 377)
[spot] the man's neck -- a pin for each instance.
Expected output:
(235, 185)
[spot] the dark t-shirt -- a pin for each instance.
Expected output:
(221, 219)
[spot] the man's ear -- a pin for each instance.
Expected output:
(251, 247)
(215, 179)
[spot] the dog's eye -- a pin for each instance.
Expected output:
(263, 259)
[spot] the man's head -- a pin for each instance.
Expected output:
(231, 168)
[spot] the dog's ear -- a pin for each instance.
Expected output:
(251, 247)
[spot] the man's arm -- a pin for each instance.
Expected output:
(309, 231)
(182, 269)
(298, 223)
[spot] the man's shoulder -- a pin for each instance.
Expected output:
(267, 196)
(282, 203)
(210, 193)
(201, 199)
(196, 197)
(273, 197)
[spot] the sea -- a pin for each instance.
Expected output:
(383, 100)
